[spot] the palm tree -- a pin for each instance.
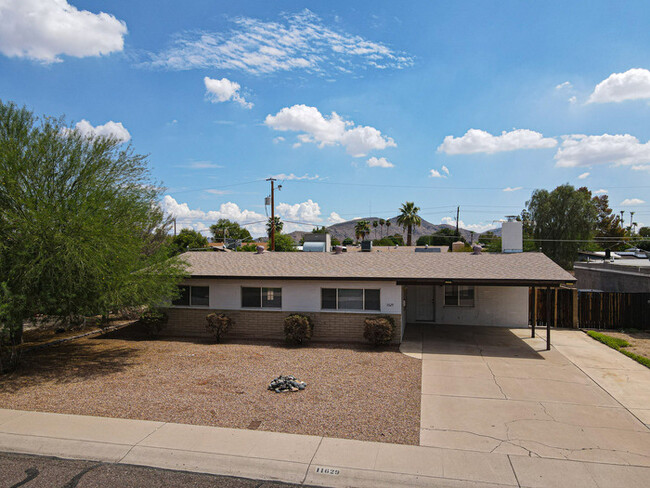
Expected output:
(382, 222)
(361, 230)
(374, 226)
(387, 226)
(278, 226)
(408, 218)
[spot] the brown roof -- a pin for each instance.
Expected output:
(528, 268)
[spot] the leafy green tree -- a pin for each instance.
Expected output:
(644, 231)
(394, 240)
(187, 239)
(441, 237)
(409, 218)
(279, 225)
(361, 229)
(608, 225)
(81, 228)
(563, 219)
(348, 241)
(284, 243)
(225, 228)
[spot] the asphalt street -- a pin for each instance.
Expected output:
(18, 470)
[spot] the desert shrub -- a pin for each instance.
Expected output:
(379, 330)
(298, 329)
(218, 324)
(153, 321)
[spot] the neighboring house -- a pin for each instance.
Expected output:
(340, 290)
(631, 275)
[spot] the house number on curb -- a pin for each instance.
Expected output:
(328, 471)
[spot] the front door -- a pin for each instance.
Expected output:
(425, 310)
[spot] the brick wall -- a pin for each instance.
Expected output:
(269, 325)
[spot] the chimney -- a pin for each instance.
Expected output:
(476, 249)
(512, 235)
(260, 250)
(457, 246)
(338, 249)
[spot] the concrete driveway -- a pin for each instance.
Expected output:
(497, 390)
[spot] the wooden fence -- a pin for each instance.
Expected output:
(588, 309)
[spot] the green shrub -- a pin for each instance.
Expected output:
(379, 330)
(252, 247)
(348, 241)
(154, 321)
(298, 329)
(218, 324)
(639, 359)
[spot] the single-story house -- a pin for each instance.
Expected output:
(340, 290)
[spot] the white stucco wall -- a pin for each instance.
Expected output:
(493, 305)
(298, 295)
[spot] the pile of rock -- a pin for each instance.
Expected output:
(283, 384)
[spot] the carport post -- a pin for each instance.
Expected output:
(532, 334)
(548, 318)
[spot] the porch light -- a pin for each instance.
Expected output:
(448, 282)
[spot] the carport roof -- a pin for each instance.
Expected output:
(524, 269)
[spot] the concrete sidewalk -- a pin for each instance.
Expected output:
(292, 458)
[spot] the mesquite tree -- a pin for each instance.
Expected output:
(81, 231)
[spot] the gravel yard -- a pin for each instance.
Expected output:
(352, 392)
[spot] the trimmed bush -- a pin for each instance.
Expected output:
(613, 342)
(380, 330)
(298, 329)
(218, 324)
(153, 321)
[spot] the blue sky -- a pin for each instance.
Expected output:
(360, 105)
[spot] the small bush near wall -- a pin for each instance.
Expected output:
(379, 330)
(298, 329)
(153, 321)
(218, 324)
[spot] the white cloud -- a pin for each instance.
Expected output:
(516, 188)
(583, 176)
(434, 173)
(199, 219)
(641, 167)
(628, 202)
(581, 150)
(202, 165)
(278, 140)
(374, 162)
(213, 191)
(109, 129)
(327, 131)
(291, 176)
(478, 228)
(43, 30)
(602, 191)
(566, 84)
(298, 42)
(633, 84)
(445, 170)
(224, 90)
(479, 141)
(573, 99)
(308, 211)
(335, 218)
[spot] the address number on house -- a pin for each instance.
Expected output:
(331, 471)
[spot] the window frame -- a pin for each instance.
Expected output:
(189, 297)
(261, 297)
(458, 303)
(363, 308)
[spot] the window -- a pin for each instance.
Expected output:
(459, 296)
(261, 297)
(196, 296)
(350, 299)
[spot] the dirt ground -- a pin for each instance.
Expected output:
(639, 341)
(352, 392)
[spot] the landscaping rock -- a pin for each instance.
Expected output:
(282, 384)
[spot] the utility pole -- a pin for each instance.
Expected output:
(457, 217)
(272, 180)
